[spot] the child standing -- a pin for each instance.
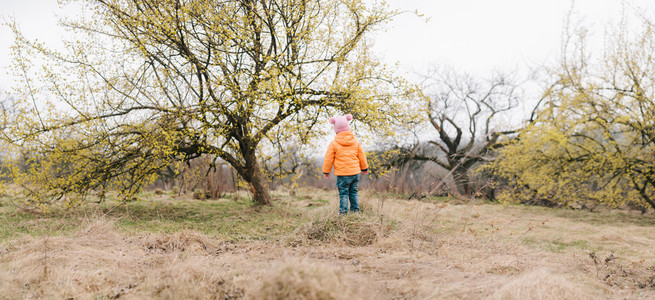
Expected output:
(346, 155)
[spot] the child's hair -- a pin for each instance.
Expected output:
(341, 123)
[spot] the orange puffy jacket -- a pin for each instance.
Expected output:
(346, 154)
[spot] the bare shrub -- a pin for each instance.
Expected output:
(616, 271)
(204, 173)
(200, 194)
(175, 191)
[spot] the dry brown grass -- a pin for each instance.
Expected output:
(544, 283)
(395, 249)
(99, 261)
(303, 279)
(355, 230)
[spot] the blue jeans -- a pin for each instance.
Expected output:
(347, 186)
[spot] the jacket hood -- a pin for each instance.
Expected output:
(345, 138)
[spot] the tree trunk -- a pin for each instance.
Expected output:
(257, 182)
(259, 189)
(462, 182)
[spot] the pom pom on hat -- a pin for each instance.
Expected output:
(341, 123)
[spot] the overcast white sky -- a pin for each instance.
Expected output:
(479, 36)
(476, 36)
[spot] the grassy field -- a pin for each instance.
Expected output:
(179, 248)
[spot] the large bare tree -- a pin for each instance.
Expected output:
(469, 117)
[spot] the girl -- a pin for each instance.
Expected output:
(346, 155)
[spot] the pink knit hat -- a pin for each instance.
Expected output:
(341, 123)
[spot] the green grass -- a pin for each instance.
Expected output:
(14, 222)
(226, 218)
(223, 217)
(606, 217)
(561, 245)
(615, 218)
(558, 246)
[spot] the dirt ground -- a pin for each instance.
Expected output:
(395, 249)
